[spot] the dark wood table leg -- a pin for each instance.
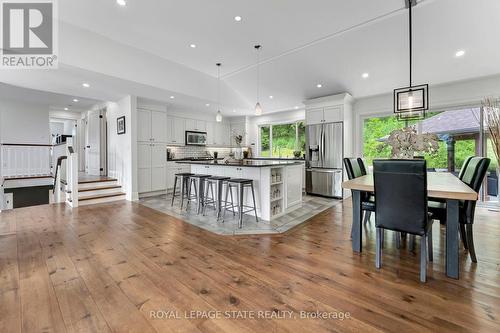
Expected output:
(357, 237)
(452, 254)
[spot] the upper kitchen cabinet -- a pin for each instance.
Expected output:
(176, 130)
(151, 126)
(322, 115)
(237, 129)
(210, 133)
(332, 109)
(196, 125)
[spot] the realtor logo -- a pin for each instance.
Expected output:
(29, 34)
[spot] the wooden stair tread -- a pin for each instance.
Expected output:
(97, 181)
(99, 188)
(103, 196)
(28, 177)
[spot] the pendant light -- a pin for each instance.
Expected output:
(411, 103)
(258, 108)
(218, 117)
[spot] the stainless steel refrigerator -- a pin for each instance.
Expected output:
(324, 153)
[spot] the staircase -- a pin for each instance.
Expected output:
(91, 192)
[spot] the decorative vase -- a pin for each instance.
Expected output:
(238, 153)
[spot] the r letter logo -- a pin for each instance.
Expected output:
(29, 34)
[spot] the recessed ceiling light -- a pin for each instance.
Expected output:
(271, 97)
(207, 105)
(296, 107)
(86, 85)
(234, 111)
(319, 85)
(365, 75)
(75, 100)
(193, 46)
(121, 2)
(66, 109)
(460, 53)
(172, 97)
(237, 18)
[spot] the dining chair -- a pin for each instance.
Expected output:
(438, 206)
(355, 167)
(473, 176)
(401, 195)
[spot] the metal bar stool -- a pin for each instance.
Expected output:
(240, 185)
(198, 181)
(216, 200)
(183, 177)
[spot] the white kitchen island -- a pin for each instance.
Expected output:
(277, 184)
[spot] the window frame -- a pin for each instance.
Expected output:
(270, 125)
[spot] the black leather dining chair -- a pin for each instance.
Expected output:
(473, 176)
(401, 196)
(355, 167)
(438, 206)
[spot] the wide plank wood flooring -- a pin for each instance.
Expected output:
(117, 267)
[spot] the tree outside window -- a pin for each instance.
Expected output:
(281, 140)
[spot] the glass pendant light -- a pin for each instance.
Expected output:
(258, 108)
(218, 117)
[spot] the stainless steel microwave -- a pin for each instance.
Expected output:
(196, 138)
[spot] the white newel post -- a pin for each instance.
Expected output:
(72, 173)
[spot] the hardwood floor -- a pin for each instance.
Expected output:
(115, 267)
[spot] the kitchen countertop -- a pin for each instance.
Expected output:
(244, 163)
(276, 159)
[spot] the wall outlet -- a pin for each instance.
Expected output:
(8, 201)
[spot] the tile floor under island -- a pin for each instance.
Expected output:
(311, 206)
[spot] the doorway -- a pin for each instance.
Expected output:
(96, 137)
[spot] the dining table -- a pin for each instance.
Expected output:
(440, 185)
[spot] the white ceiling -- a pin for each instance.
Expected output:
(331, 42)
(53, 101)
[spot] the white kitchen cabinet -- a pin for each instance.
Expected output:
(151, 126)
(324, 115)
(333, 114)
(238, 129)
(222, 134)
(158, 126)
(196, 125)
(294, 185)
(143, 125)
(210, 133)
(176, 130)
(151, 167)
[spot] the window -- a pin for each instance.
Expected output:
(282, 140)
(459, 132)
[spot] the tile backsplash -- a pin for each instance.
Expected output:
(194, 151)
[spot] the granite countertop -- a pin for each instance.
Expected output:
(244, 163)
(276, 158)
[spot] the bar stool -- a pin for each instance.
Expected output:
(216, 200)
(198, 181)
(240, 185)
(183, 177)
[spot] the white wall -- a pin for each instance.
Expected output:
(456, 94)
(122, 149)
(22, 122)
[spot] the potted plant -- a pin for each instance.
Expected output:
(238, 139)
(491, 108)
(406, 142)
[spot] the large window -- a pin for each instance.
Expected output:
(281, 140)
(459, 132)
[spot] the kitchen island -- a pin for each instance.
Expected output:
(277, 184)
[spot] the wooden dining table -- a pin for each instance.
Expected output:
(441, 185)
